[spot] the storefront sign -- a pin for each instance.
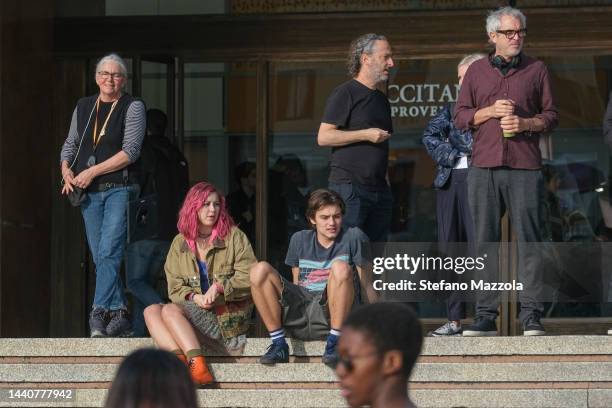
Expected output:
(420, 100)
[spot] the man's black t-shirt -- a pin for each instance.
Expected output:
(354, 106)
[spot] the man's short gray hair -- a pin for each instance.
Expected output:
(361, 45)
(113, 58)
(468, 59)
(494, 18)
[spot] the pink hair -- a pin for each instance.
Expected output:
(188, 215)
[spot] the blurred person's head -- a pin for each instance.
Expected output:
(244, 174)
(379, 346)
(151, 378)
(156, 122)
(204, 215)
(294, 170)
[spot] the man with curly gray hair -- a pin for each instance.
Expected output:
(357, 126)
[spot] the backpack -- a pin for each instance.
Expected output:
(164, 182)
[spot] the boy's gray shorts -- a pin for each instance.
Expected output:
(304, 314)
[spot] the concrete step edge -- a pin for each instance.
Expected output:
(455, 346)
(317, 372)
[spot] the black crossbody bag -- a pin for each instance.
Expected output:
(78, 195)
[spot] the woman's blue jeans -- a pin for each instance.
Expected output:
(105, 215)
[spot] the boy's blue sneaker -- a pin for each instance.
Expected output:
(276, 353)
(330, 356)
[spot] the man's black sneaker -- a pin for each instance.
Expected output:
(330, 356)
(119, 324)
(533, 327)
(276, 353)
(98, 319)
(480, 328)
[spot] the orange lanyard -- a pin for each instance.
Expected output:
(103, 130)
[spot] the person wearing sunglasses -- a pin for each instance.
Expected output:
(377, 352)
(98, 158)
(507, 102)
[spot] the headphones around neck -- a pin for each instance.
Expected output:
(499, 62)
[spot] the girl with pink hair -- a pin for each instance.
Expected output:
(207, 269)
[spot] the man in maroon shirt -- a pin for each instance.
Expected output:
(507, 101)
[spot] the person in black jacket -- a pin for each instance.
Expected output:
(164, 181)
(241, 203)
(451, 148)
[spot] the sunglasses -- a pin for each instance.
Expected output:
(347, 361)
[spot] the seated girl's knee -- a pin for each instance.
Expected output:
(170, 311)
(152, 311)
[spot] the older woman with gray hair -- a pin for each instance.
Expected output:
(103, 142)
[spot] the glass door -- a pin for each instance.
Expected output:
(218, 132)
(155, 81)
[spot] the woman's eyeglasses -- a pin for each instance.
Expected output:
(112, 75)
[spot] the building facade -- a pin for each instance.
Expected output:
(248, 81)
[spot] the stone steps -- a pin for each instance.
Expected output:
(550, 371)
(454, 346)
(316, 372)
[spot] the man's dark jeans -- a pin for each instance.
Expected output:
(492, 191)
(366, 208)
